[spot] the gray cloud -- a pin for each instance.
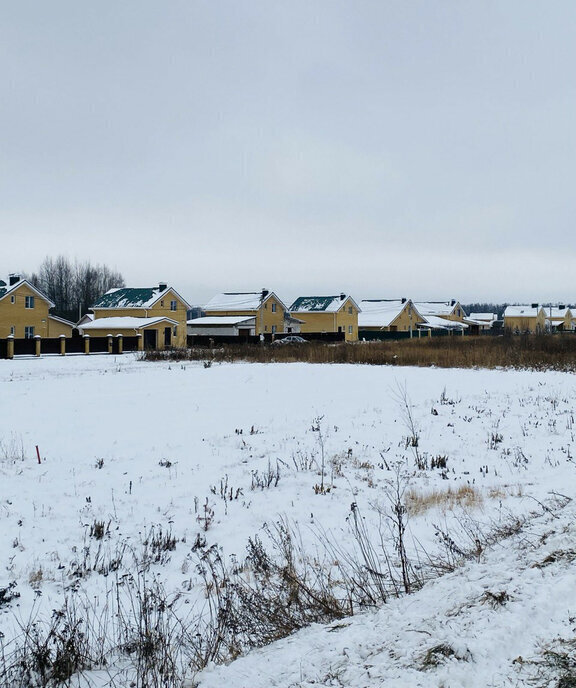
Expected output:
(387, 148)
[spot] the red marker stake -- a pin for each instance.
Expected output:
(38, 454)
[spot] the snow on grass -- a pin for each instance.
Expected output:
(132, 451)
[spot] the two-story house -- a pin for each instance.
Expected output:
(157, 313)
(328, 314)
(248, 313)
(387, 315)
(25, 311)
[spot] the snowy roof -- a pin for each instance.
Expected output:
(436, 323)
(435, 307)
(381, 312)
(61, 320)
(124, 323)
(555, 312)
(523, 311)
(130, 297)
(215, 320)
(320, 304)
(488, 317)
(6, 288)
(240, 301)
(87, 317)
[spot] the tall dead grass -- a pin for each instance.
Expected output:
(507, 351)
(464, 496)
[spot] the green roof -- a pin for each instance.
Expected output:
(317, 303)
(126, 297)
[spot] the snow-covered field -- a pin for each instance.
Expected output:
(210, 454)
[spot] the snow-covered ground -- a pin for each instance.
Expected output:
(189, 450)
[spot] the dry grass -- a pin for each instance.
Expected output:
(524, 351)
(465, 495)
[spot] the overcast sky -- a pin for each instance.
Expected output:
(424, 149)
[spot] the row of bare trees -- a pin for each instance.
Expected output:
(74, 286)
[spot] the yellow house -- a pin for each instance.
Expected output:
(448, 310)
(328, 314)
(25, 312)
(442, 315)
(270, 314)
(482, 321)
(158, 313)
(559, 319)
(525, 319)
(387, 315)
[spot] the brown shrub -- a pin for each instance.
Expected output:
(524, 351)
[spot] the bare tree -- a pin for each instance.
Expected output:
(74, 287)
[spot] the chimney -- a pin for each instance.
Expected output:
(265, 293)
(403, 299)
(13, 278)
(342, 297)
(453, 302)
(162, 286)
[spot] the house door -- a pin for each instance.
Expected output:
(243, 332)
(150, 339)
(167, 336)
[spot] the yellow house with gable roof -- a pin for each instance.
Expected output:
(157, 313)
(328, 314)
(271, 316)
(25, 312)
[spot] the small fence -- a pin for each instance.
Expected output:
(77, 344)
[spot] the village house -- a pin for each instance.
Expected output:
(245, 313)
(158, 314)
(484, 321)
(442, 315)
(25, 312)
(525, 319)
(559, 319)
(387, 315)
(328, 314)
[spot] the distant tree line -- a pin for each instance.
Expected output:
(74, 286)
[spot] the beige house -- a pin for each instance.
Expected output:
(157, 313)
(328, 314)
(25, 312)
(525, 319)
(449, 310)
(559, 319)
(263, 311)
(483, 321)
(442, 315)
(387, 315)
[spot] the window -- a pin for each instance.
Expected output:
(12, 299)
(273, 329)
(162, 303)
(265, 328)
(349, 329)
(350, 310)
(273, 308)
(12, 329)
(173, 305)
(29, 302)
(29, 330)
